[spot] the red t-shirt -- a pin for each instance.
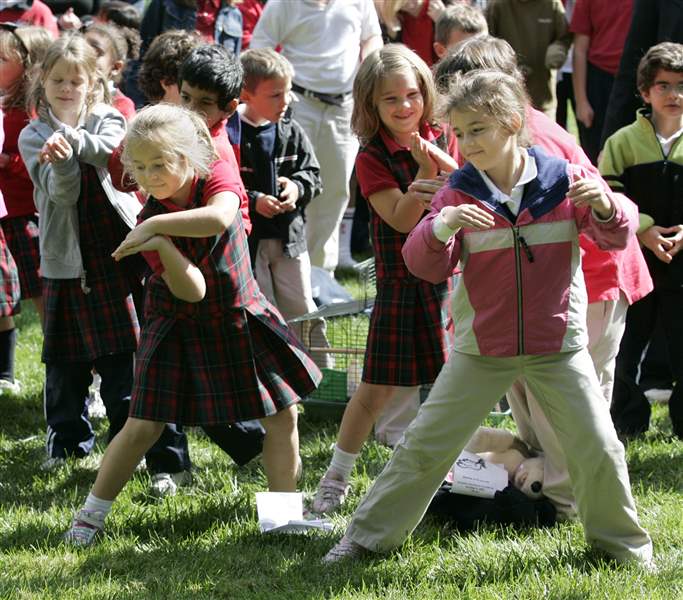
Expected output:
(418, 33)
(15, 181)
(205, 23)
(606, 22)
(224, 177)
(222, 145)
(251, 12)
(123, 104)
(373, 175)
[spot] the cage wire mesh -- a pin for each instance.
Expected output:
(335, 336)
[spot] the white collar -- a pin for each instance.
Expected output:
(529, 173)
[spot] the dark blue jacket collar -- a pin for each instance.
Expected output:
(541, 195)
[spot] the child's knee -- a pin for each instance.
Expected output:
(374, 398)
(284, 420)
(140, 432)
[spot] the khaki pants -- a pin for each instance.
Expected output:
(329, 129)
(465, 390)
(605, 322)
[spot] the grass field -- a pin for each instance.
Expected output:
(205, 542)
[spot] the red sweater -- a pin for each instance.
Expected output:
(15, 182)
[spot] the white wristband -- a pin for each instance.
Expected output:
(441, 230)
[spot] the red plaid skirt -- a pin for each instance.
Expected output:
(10, 290)
(408, 341)
(23, 242)
(81, 327)
(246, 365)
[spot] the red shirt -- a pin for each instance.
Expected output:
(207, 10)
(39, 15)
(251, 12)
(224, 177)
(606, 22)
(418, 33)
(221, 144)
(123, 104)
(373, 175)
(15, 182)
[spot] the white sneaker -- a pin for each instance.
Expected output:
(96, 408)
(167, 484)
(53, 463)
(330, 496)
(658, 396)
(9, 388)
(344, 549)
(85, 528)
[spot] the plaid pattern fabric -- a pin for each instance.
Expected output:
(80, 326)
(407, 339)
(10, 289)
(22, 238)
(227, 358)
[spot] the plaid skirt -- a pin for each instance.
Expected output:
(204, 372)
(10, 289)
(408, 341)
(81, 327)
(23, 242)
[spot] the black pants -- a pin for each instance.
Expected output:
(630, 408)
(598, 88)
(564, 90)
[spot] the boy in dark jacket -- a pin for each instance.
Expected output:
(281, 175)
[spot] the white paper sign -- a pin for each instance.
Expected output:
(473, 476)
(283, 512)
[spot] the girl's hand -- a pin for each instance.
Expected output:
(662, 246)
(589, 192)
(289, 194)
(467, 215)
(435, 10)
(55, 149)
(153, 243)
(69, 21)
(423, 190)
(419, 149)
(136, 238)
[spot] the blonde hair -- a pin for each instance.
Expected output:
(261, 64)
(76, 52)
(177, 132)
(28, 45)
(385, 62)
(387, 11)
(494, 93)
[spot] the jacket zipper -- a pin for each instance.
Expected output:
(518, 273)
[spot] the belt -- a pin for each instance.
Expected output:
(333, 99)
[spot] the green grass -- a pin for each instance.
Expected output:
(205, 543)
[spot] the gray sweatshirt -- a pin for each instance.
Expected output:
(57, 186)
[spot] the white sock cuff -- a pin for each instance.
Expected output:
(342, 462)
(93, 503)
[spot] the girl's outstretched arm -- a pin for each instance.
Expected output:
(182, 277)
(205, 221)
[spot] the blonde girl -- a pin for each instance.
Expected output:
(403, 152)
(212, 349)
(20, 49)
(90, 319)
(511, 217)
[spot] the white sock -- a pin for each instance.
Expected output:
(95, 504)
(342, 463)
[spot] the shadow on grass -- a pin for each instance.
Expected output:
(22, 416)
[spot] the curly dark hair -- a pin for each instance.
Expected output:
(667, 56)
(120, 13)
(163, 59)
(213, 68)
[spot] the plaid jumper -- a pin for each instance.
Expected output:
(407, 339)
(21, 234)
(10, 291)
(88, 319)
(227, 358)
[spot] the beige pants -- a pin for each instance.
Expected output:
(605, 321)
(286, 282)
(397, 415)
(329, 129)
(464, 392)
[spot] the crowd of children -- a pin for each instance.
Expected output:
(166, 247)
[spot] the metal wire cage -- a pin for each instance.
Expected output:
(335, 335)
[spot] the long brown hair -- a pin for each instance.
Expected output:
(28, 45)
(388, 60)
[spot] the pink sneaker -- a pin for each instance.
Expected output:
(345, 548)
(330, 495)
(85, 528)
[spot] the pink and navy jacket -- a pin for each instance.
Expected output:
(522, 289)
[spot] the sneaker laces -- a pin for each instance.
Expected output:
(85, 527)
(331, 494)
(345, 548)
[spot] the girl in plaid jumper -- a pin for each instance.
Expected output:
(212, 349)
(397, 171)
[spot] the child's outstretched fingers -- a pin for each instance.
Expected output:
(419, 149)
(589, 192)
(423, 190)
(467, 215)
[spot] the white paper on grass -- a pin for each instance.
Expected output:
(283, 512)
(473, 476)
